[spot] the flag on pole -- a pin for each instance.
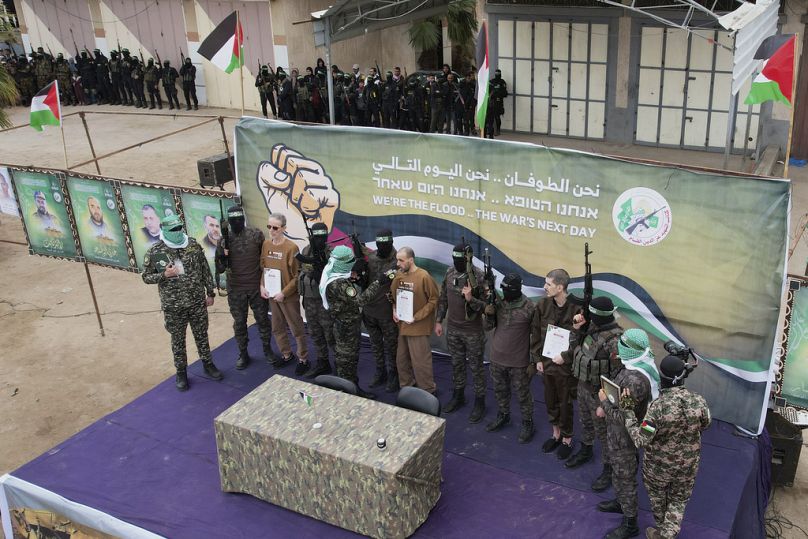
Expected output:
(483, 75)
(45, 107)
(308, 399)
(224, 47)
(775, 80)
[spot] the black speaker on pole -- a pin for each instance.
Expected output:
(214, 170)
(786, 446)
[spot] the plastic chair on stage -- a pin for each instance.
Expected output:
(413, 398)
(336, 383)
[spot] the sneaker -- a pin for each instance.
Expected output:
(301, 368)
(550, 445)
(564, 451)
(283, 361)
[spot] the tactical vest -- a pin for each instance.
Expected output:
(593, 359)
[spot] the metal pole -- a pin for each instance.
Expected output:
(793, 103)
(733, 109)
(330, 79)
(95, 301)
(241, 60)
(227, 151)
(92, 149)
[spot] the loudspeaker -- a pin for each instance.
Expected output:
(786, 446)
(214, 170)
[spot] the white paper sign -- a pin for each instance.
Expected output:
(272, 281)
(556, 341)
(404, 302)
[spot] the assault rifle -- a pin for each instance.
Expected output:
(489, 277)
(361, 267)
(317, 257)
(468, 255)
(588, 288)
(221, 260)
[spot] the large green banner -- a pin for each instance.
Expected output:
(44, 213)
(98, 222)
(689, 256)
(144, 208)
(795, 371)
(202, 222)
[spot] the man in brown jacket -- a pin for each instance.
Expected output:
(280, 271)
(414, 292)
(559, 385)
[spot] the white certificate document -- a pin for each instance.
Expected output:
(556, 341)
(404, 299)
(272, 281)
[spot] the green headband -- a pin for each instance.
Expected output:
(384, 239)
(458, 254)
(598, 312)
(235, 214)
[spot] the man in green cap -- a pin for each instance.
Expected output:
(177, 265)
(344, 300)
(634, 370)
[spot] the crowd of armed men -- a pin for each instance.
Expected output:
(443, 103)
(344, 287)
(88, 79)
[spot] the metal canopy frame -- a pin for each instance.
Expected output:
(351, 18)
(691, 6)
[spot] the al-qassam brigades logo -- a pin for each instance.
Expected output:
(642, 216)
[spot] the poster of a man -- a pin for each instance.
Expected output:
(42, 208)
(8, 203)
(98, 222)
(151, 224)
(45, 218)
(213, 234)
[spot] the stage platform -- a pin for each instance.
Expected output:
(153, 464)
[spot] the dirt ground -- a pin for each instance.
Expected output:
(58, 374)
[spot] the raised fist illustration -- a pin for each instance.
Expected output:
(300, 189)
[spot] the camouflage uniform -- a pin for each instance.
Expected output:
(465, 337)
(65, 83)
(318, 319)
(671, 436)
(623, 454)
(182, 298)
(595, 356)
(44, 71)
(512, 321)
(243, 287)
(377, 315)
(344, 304)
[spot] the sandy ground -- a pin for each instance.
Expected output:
(58, 374)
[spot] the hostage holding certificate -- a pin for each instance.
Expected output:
(404, 304)
(556, 341)
(272, 282)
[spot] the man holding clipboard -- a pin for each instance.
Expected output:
(551, 351)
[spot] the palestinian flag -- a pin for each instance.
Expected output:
(225, 45)
(308, 399)
(776, 78)
(483, 74)
(45, 107)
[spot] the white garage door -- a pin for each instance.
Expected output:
(556, 75)
(684, 91)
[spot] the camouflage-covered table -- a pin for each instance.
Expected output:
(321, 459)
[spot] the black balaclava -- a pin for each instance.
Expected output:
(235, 218)
(384, 243)
(511, 287)
(319, 236)
(459, 258)
(672, 372)
(497, 74)
(601, 310)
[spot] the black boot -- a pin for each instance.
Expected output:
(610, 506)
(182, 380)
(583, 456)
(322, 367)
(627, 529)
(271, 356)
(364, 394)
(211, 371)
(478, 411)
(458, 399)
(243, 360)
(499, 422)
(301, 368)
(379, 378)
(527, 432)
(187, 107)
(392, 382)
(604, 480)
(196, 107)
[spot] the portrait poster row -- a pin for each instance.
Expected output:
(105, 221)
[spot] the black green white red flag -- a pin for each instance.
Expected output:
(46, 108)
(776, 78)
(224, 47)
(483, 74)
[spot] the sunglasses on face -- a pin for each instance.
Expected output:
(273, 227)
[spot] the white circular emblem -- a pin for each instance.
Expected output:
(642, 216)
(110, 204)
(57, 197)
